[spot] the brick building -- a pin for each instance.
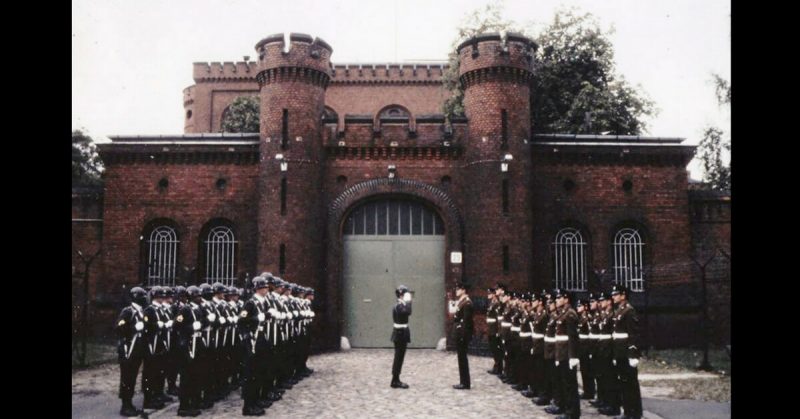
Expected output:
(357, 183)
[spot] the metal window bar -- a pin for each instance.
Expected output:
(628, 259)
(221, 256)
(161, 255)
(378, 218)
(570, 260)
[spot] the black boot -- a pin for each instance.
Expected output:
(153, 403)
(264, 403)
(252, 411)
(398, 384)
(553, 410)
(128, 409)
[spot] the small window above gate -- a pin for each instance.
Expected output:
(393, 217)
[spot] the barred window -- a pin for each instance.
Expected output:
(628, 260)
(220, 255)
(569, 257)
(393, 217)
(162, 253)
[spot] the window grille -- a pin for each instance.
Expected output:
(569, 251)
(220, 256)
(162, 253)
(393, 217)
(628, 261)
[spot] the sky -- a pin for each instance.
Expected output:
(131, 60)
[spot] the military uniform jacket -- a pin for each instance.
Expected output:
(492, 327)
(626, 332)
(538, 329)
(400, 314)
(130, 341)
(594, 332)
(525, 342)
(550, 336)
(567, 340)
(251, 328)
(584, 328)
(516, 322)
(155, 329)
(211, 332)
(505, 323)
(225, 324)
(462, 321)
(605, 327)
(191, 341)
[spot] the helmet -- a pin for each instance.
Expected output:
(139, 295)
(159, 292)
(206, 290)
(219, 288)
(193, 291)
(168, 292)
(259, 283)
(232, 291)
(402, 289)
(180, 291)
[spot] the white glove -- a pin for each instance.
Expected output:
(312, 314)
(196, 325)
(222, 320)
(556, 363)
(590, 356)
(573, 362)
(274, 313)
(407, 297)
(531, 351)
(168, 324)
(211, 317)
(633, 362)
(614, 361)
(289, 316)
(295, 313)
(160, 324)
(261, 317)
(234, 319)
(139, 326)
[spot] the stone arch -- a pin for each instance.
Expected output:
(376, 119)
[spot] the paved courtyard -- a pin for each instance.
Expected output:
(352, 384)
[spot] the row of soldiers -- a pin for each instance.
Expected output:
(539, 341)
(216, 343)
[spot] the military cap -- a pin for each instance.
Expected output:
(602, 296)
(490, 290)
(562, 293)
(501, 286)
(619, 289)
(592, 297)
(462, 285)
(582, 302)
(526, 296)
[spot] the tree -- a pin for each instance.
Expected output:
(716, 173)
(87, 167)
(575, 88)
(242, 115)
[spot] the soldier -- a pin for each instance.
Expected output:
(462, 321)
(155, 335)
(275, 331)
(169, 336)
(514, 342)
(284, 347)
(625, 338)
(307, 303)
(235, 346)
(566, 359)
(174, 357)
(585, 349)
(525, 346)
(538, 330)
(256, 333)
(131, 348)
(594, 331)
(491, 331)
(401, 334)
(608, 402)
(209, 355)
(297, 333)
(550, 390)
(223, 339)
(502, 297)
(507, 337)
(190, 322)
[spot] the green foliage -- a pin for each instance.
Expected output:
(575, 88)
(242, 115)
(710, 151)
(87, 168)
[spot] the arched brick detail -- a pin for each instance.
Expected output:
(351, 197)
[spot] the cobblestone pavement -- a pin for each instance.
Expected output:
(353, 384)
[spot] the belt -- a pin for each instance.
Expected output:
(505, 324)
(593, 336)
(536, 335)
(549, 339)
(197, 334)
(515, 328)
(400, 326)
(499, 317)
(603, 337)
(524, 334)
(491, 320)
(616, 335)
(260, 328)
(561, 338)
(584, 336)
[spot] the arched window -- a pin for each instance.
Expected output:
(220, 255)
(569, 260)
(394, 112)
(329, 115)
(161, 257)
(629, 259)
(393, 217)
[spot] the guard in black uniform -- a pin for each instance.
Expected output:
(401, 335)
(189, 324)
(131, 348)
(253, 320)
(176, 299)
(155, 336)
(208, 359)
(625, 340)
(463, 323)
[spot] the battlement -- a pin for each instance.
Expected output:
(302, 51)
(388, 73)
(238, 71)
(491, 50)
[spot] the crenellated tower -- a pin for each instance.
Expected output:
(292, 79)
(496, 73)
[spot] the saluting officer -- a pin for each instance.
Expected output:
(625, 340)
(464, 327)
(189, 324)
(401, 334)
(131, 348)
